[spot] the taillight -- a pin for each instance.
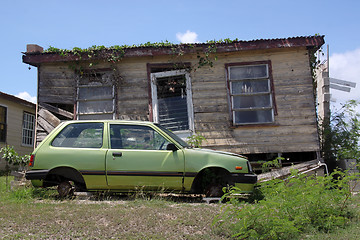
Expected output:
(249, 167)
(32, 159)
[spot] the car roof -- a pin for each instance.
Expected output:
(111, 121)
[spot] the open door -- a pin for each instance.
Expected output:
(172, 101)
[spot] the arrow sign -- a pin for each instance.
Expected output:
(342, 82)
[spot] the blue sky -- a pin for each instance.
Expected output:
(83, 23)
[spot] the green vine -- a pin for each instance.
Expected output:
(113, 54)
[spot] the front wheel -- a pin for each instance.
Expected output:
(212, 181)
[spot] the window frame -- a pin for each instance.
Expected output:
(31, 130)
(104, 84)
(64, 133)
(142, 129)
(154, 98)
(269, 78)
(4, 123)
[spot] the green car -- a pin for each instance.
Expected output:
(120, 156)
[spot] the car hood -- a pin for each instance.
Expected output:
(218, 152)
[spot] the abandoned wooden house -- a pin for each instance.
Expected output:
(255, 97)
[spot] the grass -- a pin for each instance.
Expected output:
(37, 214)
(25, 214)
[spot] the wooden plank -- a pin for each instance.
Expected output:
(45, 125)
(48, 117)
(286, 171)
(210, 94)
(253, 149)
(219, 126)
(56, 74)
(288, 98)
(133, 117)
(57, 82)
(295, 90)
(209, 101)
(294, 122)
(133, 103)
(218, 85)
(211, 117)
(268, 131)
(57, 91)
(292, 138)
(57, 110)
(281, 81)
(211, 109)
(57, 99)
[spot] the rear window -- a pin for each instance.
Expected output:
(80, 135)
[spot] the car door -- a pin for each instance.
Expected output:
(81, 147)
(137, 158)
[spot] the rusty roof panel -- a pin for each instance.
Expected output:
(310, 42)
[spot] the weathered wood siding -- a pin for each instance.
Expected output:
(56, 84)
(133, 95)
(295, 127)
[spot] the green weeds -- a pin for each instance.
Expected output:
(298, 205)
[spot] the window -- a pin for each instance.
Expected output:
(172, 101)
(28, 129)
(136, 137)
(95, 96)
(80, 135)
(250, 92)
(3, 111)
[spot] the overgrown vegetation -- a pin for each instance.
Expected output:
(205, 55)
(289, 208)
(12, 158)
(196, 140)
(341, 134)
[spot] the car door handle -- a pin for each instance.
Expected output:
(117, 154)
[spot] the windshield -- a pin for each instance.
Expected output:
(174, 136)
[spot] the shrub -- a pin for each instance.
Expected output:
(296, 205)
(340, 135)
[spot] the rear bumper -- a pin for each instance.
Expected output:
(249, 178)
(36, 174)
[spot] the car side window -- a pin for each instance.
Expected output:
(80, 135)
(136, 137)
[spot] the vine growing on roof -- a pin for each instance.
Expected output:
(205, 55)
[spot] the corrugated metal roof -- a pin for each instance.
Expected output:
(163, 49)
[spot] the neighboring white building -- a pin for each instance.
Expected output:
(17, 124)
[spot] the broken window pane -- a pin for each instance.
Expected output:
(101, 106)
(96, 96)
(248, 72)
(250, 86)
(260, 116)
(91, 93)
(251, 101)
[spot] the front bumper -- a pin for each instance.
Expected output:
(247, 178)
(36, 174)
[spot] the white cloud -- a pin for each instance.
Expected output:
(346, 66)
(188, 37)
(26, 96)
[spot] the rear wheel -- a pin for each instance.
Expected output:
(65, 189)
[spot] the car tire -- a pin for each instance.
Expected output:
(65, 189)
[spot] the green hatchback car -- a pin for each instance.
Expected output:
(121, 156)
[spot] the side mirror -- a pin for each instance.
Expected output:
(171, 147)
